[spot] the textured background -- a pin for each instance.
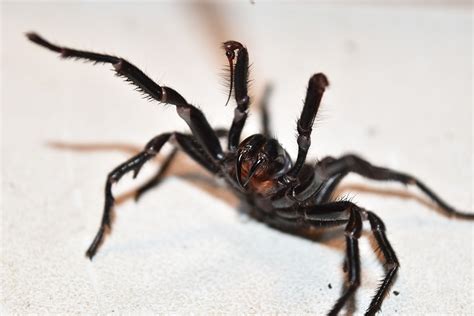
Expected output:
(401, 95)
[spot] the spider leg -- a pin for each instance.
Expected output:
(353, 231)
(335, 214)
(327, 188)
(185, 142)
(238, 80)
(189, 113)
(156, 179)
(391, 262)
(135, 163)
(338, 168)
(339, 213)
(316, 86)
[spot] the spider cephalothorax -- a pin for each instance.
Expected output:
(260, 163)
(281, 193)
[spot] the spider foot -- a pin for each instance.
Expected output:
(92, 250)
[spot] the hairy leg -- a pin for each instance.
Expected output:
(348, 213)
(195, 119)
(339, 168)
(158, 177)
(185, 142)
(316, 87)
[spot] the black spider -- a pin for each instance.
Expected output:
(260, 172)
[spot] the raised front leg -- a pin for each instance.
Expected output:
(316, 87)
(195, 119)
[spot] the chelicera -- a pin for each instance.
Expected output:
(284, 194)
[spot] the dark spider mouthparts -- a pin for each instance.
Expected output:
(283, 194)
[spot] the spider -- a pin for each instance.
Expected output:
(281, 193)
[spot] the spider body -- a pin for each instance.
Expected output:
(280, 192)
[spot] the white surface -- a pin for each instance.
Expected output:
(401, 84)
